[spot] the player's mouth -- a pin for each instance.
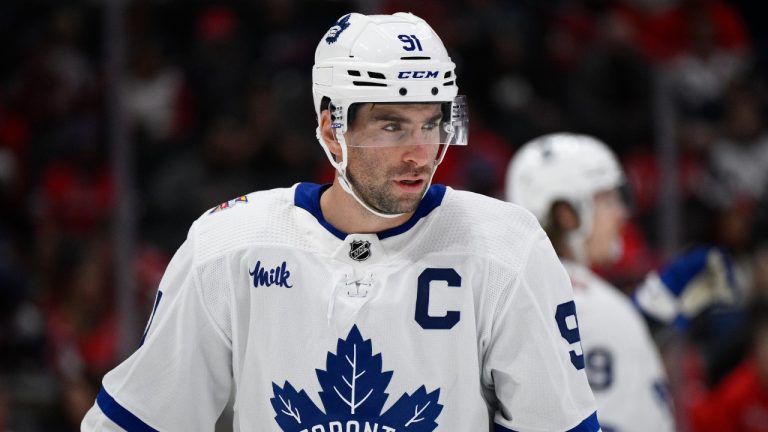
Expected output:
(411, 185)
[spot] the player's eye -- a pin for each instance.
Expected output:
(429, 126)
(392, 127)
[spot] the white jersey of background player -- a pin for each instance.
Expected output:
(570, 182)
(378, 303)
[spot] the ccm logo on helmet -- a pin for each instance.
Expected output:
(417, 74)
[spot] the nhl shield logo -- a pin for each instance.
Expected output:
(360, 250)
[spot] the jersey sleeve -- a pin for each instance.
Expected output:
(534, 360)
(179, 379)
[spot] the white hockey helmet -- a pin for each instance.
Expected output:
(562, 167)
(384, 58)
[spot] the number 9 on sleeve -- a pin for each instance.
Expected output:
(570, 333)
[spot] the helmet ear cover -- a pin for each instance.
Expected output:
(325, 105)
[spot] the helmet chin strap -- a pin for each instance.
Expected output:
(347, 186)
(577, 243)
(577, 238)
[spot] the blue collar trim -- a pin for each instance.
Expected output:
(308, 197)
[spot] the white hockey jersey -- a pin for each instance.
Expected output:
(457, 320)
(623, 363)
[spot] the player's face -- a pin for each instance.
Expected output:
(609, 215)
(389, 165)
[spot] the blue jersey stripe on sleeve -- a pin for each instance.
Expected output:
(590, 424)
(119, 415)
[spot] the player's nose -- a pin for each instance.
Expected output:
(417, 154)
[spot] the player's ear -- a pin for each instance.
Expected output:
(327, 134)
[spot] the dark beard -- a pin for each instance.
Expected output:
(380, 199)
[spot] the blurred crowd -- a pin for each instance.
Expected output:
(217, 98)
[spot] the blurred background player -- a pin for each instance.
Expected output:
(574, 185)
(571, 183)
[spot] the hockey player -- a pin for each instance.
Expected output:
(377, 303)
(571, 183)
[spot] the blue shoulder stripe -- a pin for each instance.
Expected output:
(119, 415)
(590, 424)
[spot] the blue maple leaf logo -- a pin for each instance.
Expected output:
(354, 391)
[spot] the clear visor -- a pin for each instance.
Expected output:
(408, 124)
